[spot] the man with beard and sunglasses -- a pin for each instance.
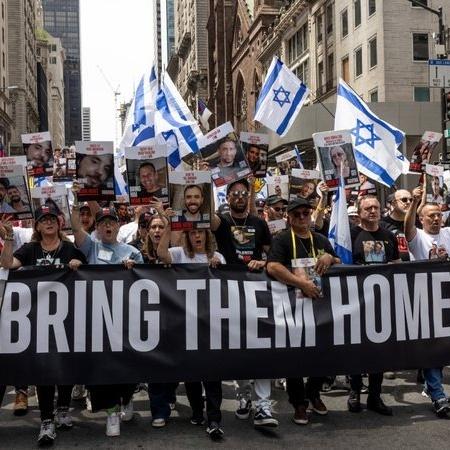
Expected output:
(242, 239)
(289, 248)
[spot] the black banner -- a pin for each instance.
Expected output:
(105, 324)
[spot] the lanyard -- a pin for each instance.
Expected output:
(294, 245)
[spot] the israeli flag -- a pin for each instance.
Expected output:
(375, 141)
(281, 98)
(171, 110)
(339, 231)
(139, 125)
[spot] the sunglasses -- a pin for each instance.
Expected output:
(406, 199)
(304, 213)
(50, 219)
(279, 208)
(239, 193)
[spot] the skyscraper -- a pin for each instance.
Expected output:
(86, 123)
(62, 19)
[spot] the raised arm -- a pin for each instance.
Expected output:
(78, 230)
(7, 260)
(410, 218)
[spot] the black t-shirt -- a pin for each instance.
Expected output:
(373, 247)
(31, 254)
(282, 250)
(398, 228)
(241, 240)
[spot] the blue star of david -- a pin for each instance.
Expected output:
(281, 101)
(362, 140)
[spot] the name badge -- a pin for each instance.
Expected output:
(105, 255)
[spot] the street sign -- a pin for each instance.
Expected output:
(439, 73)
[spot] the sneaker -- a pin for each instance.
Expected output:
(214, 431)
(78, 392)
(198, 419)
(263, 418)
(63, 419)
(159, 423)
(376, 404)
(113, 424)
(245, 406)
(127, 412)
(21, 404)
(425, 392)
(47, 433)
(318, 406)
(354, 402)
(441, 406)
(172, 406)
(280, 383)
(364, 389)
(300, 415)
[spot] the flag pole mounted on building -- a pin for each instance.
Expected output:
(375, 141)
(281, 98)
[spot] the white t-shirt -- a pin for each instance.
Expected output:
(423, 242)
(179, 257)
(21, 236)
(127, 232)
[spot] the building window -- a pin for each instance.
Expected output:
(345, 73)
(372, 7)
(358, 62)
(329, 18)
(373, 57)
(373, 96)
(357, 12)
(298, 43)
(421, 94)
(320, 78)
(423, 2)
(344, 23)
(330, 71)
(319, 24)
(301, 72)
(420, 47)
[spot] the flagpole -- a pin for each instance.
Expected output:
(320, 102)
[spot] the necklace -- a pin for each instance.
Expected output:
(51, 254)
(234, 223)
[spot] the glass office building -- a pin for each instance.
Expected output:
(62, 20)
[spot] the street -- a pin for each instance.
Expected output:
(414, 424)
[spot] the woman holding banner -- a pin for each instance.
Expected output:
(197, 247)
(48, 247)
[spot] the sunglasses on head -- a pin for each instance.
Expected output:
(239, 193)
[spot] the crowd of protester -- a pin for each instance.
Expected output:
(408, 228)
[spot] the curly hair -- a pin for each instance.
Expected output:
(149, 248)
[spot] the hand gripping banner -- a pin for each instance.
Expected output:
(106, 324)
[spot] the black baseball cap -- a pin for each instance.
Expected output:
(103, 213)
(243, 181)
(85, 205)
(272, 199)
(298, 203)
(144, 219)
(45, 210)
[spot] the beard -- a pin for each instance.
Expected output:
(239, 208)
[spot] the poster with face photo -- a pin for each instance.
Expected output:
(14, 196)
(303, 183)
(288, 161)
(335, 155)
(256, 148)
(64, 165)
(434, 184)
(95, 170)
(53, 196)
(190, 198)
(147, 174)
(9, 161)
(278, 185)
(224, 154)
(423, 151)
(446, 192)
(366, 187)
(305, 266)
(37, 148)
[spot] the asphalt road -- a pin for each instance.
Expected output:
(414, 425)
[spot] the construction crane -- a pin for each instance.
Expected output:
(116, 93)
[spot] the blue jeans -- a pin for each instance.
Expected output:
(433, 383)
(161, 395)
